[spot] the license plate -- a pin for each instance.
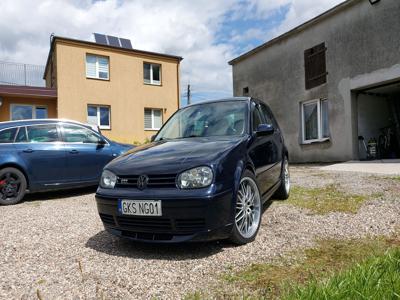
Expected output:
(140, 207)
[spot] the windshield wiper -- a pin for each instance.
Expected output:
(190, 136)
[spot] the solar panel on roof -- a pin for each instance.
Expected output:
(113, 41)
(125, 43)
(100, 38)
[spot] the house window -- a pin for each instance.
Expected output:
(99, 115)
(97, 67)
(25, 112)
(315, 121)
(315, 66)
(246, 91)
(152, 73)
(152, 119)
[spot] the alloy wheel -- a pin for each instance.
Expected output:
(286, 175)
(248, 208)
(10, 186)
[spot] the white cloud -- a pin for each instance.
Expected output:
(301, 11)
(185, 28)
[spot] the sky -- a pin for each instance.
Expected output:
(206, 33)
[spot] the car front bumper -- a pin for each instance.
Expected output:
(200, 218)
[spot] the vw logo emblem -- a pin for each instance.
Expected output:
(142, 182)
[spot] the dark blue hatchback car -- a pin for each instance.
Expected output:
(41, 155)
(204, 176)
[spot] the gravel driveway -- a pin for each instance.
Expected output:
(53, 246)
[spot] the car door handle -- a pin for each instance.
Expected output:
(74, 151)
(29, 150)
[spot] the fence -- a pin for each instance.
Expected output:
(21, 74)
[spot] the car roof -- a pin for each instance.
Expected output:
(220, 100)
(18, 123)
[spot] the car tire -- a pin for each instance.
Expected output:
(12, 186)
(248, 210)
(284, 189)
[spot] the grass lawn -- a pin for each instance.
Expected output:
(397, 178)
(375, 278)
(324, 200)
(335, 269)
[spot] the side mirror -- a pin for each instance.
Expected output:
(101, 142)
(265, 129)
(153, 137)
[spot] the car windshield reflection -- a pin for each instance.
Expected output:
(207, 120)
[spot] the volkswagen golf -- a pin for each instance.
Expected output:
(204, 176)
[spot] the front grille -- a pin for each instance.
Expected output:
(160, 225)
(146, 223)
(155, 181)
(107, 219)
(190, 225)
(148, 236)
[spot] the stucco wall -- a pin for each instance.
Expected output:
(125, 92)
(360, 40)
(7, 101)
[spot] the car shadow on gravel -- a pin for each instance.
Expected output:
(106, 243)
(50, 195)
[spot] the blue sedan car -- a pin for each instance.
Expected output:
(205, 176)
(41, 155)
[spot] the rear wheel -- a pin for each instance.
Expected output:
(283, 192)
(248, 210)
(12, 186)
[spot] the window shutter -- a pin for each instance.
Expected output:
(315, 66)
(91, 66)
(157, 118)
(103, 67)
(147, 119)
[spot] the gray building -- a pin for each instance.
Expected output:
(331, 80)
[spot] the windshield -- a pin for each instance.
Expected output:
(209, 119)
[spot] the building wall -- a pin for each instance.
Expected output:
(51, 73)
(361, 39)
(125, 91)
(7, 101)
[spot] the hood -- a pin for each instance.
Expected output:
(173, 156)
(120, 148)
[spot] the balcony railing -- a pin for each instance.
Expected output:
(21, 74)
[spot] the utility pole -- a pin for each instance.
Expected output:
(188, 94)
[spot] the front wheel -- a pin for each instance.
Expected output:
(12, 186)
(283, 192)
(248, 210)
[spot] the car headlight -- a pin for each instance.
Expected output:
(195, 178)
(108, 179)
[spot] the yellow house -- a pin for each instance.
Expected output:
(128, 93)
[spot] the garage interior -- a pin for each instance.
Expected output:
(378, 114)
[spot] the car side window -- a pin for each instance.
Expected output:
(43, 133)
(256, 117)
(78, 134)
(7, 135)
(21, 135)
(267, 116)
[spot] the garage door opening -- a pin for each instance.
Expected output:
(378, 114)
